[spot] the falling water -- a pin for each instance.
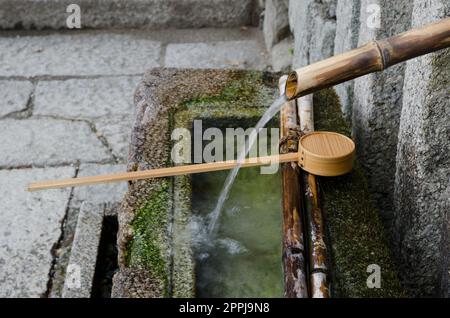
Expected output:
(242, 154)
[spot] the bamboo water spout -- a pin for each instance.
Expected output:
(372, 57)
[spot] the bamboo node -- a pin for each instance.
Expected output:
(381, 55)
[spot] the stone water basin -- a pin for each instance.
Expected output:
(159, 250)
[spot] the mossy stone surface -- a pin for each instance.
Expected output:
(144, 249)
(355, 231)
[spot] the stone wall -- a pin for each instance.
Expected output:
(400, 124)
(277, 34)
(276, 22)
(313, 23)
(422, 189)
(377, 105)
(347, 31)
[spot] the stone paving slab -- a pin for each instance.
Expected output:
(14, 96)
(101, 193)
(45, 141)
(83, 256)
(224, 54)
(86, 98)
(30, 225)
(78, 54)
(32, 14)
(117, 131)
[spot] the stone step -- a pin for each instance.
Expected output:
(149, 14)
(100, 53)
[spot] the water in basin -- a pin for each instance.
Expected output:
(244, 259)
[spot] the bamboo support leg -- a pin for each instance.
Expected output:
(315, 233)
(295, 285)
(319, 284)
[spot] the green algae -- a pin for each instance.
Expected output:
(327, 113)
(247, 89)
(241, 102)
(355, 230)
(145, 247)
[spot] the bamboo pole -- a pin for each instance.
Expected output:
(319, 282)
(295, 285)
(162, 172)
(306, 113)
(317, 250)
(372, 57)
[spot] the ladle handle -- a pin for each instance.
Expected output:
(162, 172)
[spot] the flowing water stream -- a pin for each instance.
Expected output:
(242, 154)
(243, 259)
(240, 255)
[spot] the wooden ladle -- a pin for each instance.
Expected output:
(320, 153)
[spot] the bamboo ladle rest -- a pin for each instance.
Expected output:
(320, 153)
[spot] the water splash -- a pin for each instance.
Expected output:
(242, 154)
(233, 247)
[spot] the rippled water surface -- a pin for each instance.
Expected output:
(243, 258)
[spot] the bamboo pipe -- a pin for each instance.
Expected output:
(163, 172)
(372, 57)
(294, 264)
(318, 269)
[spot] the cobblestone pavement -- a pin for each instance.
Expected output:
(66, 110)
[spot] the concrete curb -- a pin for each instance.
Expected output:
(83, 258)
